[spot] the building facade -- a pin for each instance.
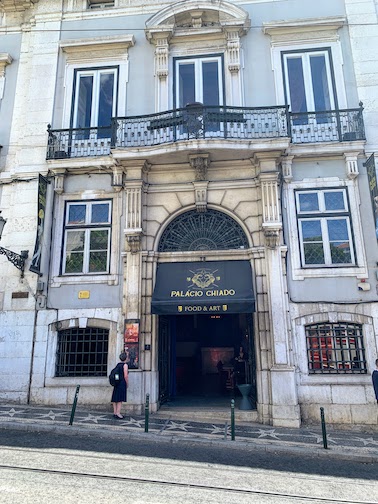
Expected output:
(190, 178)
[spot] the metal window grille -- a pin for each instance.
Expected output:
(335, 349)
(82, 352)
(211, 230)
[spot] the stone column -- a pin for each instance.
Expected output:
(284, 400)
(132, 273)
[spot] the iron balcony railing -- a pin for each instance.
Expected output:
(200, 122)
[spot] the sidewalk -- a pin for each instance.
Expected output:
(307, 441)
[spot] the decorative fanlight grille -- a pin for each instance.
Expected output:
(211, 230)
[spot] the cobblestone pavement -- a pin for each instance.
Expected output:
(351, 443)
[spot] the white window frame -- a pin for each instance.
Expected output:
(307, 76)
(198, 76)
(110, 278)
(337, 59)
(319, 215)
(96, 74)
(87, 227)
(298, 272)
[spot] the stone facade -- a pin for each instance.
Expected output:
(252, 162)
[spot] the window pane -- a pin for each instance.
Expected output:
(74, 252)
(100, 213)
(314, 253)
(84, 103)
(313, 242)
(311, 230)
(296, 85)
(186, 83)
(105, 106)
(308, 202)
(339, 241)
(334, 200)
(210, 81)
(99, 240)
(98, 262)
(320, 85)
(98, 255)
(76, 214)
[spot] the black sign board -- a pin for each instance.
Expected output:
(372, 179)
(203, 288)
(35, 266)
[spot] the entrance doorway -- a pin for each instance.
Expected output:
(205, 356)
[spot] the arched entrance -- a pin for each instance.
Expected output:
(206, 343)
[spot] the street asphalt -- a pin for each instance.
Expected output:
(357, 445)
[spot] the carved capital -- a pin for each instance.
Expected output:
(134, 242)
(287, 172)
(272, 236)
(200, 163)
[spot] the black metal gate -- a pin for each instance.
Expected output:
(164, 358)
(252, 359)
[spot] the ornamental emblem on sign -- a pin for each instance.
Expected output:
(203, 278)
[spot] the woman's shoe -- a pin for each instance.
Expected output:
(118, 416)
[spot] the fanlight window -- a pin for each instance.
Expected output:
(211, 230)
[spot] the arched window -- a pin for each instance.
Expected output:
(211, 230)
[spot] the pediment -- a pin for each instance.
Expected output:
(197, 17)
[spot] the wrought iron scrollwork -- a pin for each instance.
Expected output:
(17, 260)
(195, 231)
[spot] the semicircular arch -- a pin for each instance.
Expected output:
(192, 231)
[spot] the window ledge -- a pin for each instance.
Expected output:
(57, 281)
(329, 272)
(71, 381)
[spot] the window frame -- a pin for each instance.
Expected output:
(332, 351)
(305, 55)
(96, 72)
(198, 76)
(324, 215)
(87, 227)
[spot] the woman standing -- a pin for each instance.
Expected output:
(120, 391)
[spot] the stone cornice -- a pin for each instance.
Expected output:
(16, 5)
(304, 25)
(78, 48)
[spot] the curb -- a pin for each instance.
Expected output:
(336, 453)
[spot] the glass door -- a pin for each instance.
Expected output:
(199, 83)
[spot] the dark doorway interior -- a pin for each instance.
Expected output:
(205, 355)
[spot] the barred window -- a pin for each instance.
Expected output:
(335, 348)
(82, 352)
(87, 237)
(324, 228)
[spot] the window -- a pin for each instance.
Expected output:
(82, 352)
(94, 102)
(309, 82)
(87, 237)
(335, 348)
(199, 80)
(100, 4)
(324, 227)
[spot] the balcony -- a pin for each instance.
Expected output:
(197, 122)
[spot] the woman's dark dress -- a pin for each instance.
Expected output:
(120, 390)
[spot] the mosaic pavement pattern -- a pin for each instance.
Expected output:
(95, 419)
